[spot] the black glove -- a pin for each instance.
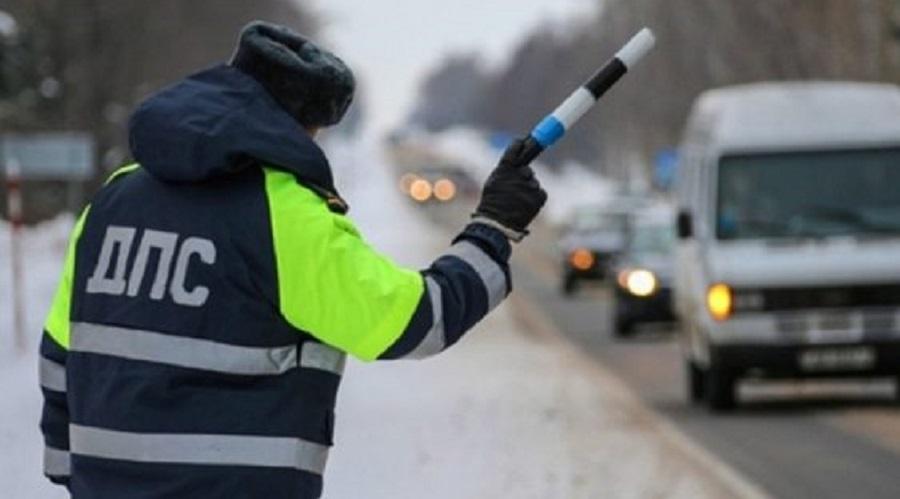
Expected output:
(512, 196)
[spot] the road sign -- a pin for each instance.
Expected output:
(665, 168)
(41, 156)
(49, 156)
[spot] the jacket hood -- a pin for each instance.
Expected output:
(220, 121)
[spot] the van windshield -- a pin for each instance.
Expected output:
(809, 194)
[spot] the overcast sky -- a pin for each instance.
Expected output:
(391, 43)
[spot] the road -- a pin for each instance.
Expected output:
(794, 442)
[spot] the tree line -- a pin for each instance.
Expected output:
(701, 44)
(84, 64)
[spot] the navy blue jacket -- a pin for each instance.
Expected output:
(192, 349)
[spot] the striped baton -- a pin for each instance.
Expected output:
(554, 127)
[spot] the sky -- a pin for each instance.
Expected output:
(391, 44)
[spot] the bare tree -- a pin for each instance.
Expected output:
(84, 64)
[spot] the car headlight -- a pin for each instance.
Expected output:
(720, 301)
(420, 190)
(582, 259)
(639, 282)
(444, 190)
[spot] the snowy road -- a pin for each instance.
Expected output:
(512, 412)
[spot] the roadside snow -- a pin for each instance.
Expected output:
(21, 445)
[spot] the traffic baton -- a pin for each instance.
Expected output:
(556, 124)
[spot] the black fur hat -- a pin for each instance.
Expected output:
(312, 84)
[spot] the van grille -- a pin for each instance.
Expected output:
(778, 299)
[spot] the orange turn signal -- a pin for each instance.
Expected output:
(720, 301)
(582, 259)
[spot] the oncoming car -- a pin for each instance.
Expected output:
(644, 269)
(594, 237)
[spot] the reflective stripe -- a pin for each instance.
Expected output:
(52, 375)
(572, 109)
(57, 462)
(179, 351)
(434, 341)
(222, 450)
(323, 357)
(491, 274)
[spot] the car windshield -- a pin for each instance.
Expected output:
(809, 194)
(653, 239)
(598, 221)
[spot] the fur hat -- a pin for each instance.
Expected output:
(312, 84)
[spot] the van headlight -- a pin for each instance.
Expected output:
(638, 282)
(720, 301)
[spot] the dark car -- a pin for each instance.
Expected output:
(644, 271)
(590, 243)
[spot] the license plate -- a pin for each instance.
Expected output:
(837, 359)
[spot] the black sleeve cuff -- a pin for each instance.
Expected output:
(490, 240)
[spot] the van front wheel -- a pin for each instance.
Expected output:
(695, 381)
(720, 389)
(570, 284)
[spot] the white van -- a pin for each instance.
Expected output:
(788, 261)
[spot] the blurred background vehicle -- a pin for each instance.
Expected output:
(644, 270)
(439, 183)
(789, 230)
(590, 241)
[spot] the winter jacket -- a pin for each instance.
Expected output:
(210, 293)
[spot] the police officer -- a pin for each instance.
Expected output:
(212, 289)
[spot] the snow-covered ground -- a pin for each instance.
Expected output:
(20, 439)
(511, 412)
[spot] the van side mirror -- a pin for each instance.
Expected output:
(685, 225)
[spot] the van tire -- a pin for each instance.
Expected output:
(570, 284)
(695, 381)
(720, 389)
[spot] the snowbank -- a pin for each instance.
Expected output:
(21, 444)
